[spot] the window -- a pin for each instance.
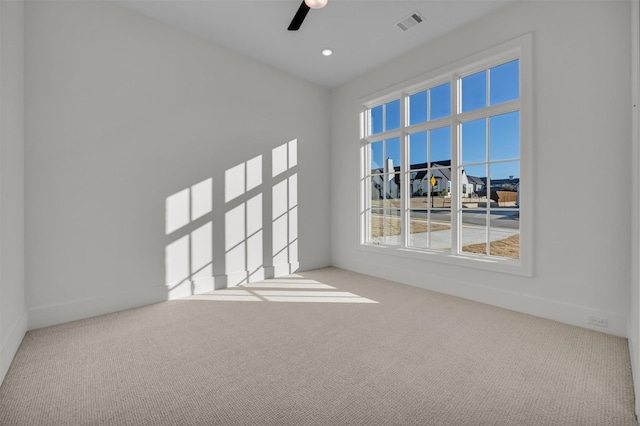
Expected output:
(446, 161)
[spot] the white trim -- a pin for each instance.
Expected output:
(519, 48)
(489, 57)
(48, 315)
(2, 124)
(281, 269)
(633, 324)
(11, 344)
(522, 303)
(44, 316)
(468, 260)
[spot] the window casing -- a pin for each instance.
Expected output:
(446, 164)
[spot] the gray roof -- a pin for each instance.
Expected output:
(475, 180)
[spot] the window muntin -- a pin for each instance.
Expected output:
(458, 214)
(490, 214)
(431, 104)
(385, 117)
(429, 218)
(384, 198)
(491, 86)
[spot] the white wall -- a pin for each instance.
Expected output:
(13, 316)
(129, 122)
(581, 122)
(633, 328)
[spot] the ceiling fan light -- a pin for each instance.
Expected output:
(316, 4)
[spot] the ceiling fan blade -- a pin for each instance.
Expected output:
(299, 17)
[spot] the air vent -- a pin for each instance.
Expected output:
(410, 21)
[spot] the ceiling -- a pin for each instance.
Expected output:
(362, 33)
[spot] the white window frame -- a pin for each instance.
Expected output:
(519, 48)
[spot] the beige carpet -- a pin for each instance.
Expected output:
(326, 347)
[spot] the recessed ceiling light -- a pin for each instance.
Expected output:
(327, 52)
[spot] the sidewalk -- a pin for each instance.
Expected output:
(471, 234)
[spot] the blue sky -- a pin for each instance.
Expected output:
(502, 84)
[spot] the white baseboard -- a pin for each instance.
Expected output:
(633, 356)
(233, 279)
(11, 344)
(283, 269)
(544, 308)
(45, 316)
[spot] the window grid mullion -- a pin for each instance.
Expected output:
(455, 216)
(365, 199)
(490, 111)
(404, 158)
(385, 184)
(382, 136)
(428, 125)
(430, 192)
(488, 215)
(384, 118)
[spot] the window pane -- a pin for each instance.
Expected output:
(419, 187)
(504, 83)
(440, 179)
(474, 231)
(376, 120)
(430, 229)
(440, 145)
(385, 226)
(473, 179)
(440, 102)
(474, 91)
(474, 141)
(376, 224)
(418, 108)
(377, 191)
(504, 233)
(377, 155)
(440, 227)
(505, 136)
(418, 229)
(393, 230)
(441, 198)
(393, 115)
(505, 181)
(393, 155)
(505, 176)
(432, 184)
(418, 151)
(392, 191)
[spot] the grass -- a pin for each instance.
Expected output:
(508, 247)
(393, 226)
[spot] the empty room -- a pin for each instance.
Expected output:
(319, 212)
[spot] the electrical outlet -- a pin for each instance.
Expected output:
(597, 321)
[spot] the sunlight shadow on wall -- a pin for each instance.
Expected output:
(251, 252)
(189, 254)
(285, 209)
(243, 223)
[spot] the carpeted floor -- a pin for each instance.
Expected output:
(326, 347)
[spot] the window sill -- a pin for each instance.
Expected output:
(492, 264)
